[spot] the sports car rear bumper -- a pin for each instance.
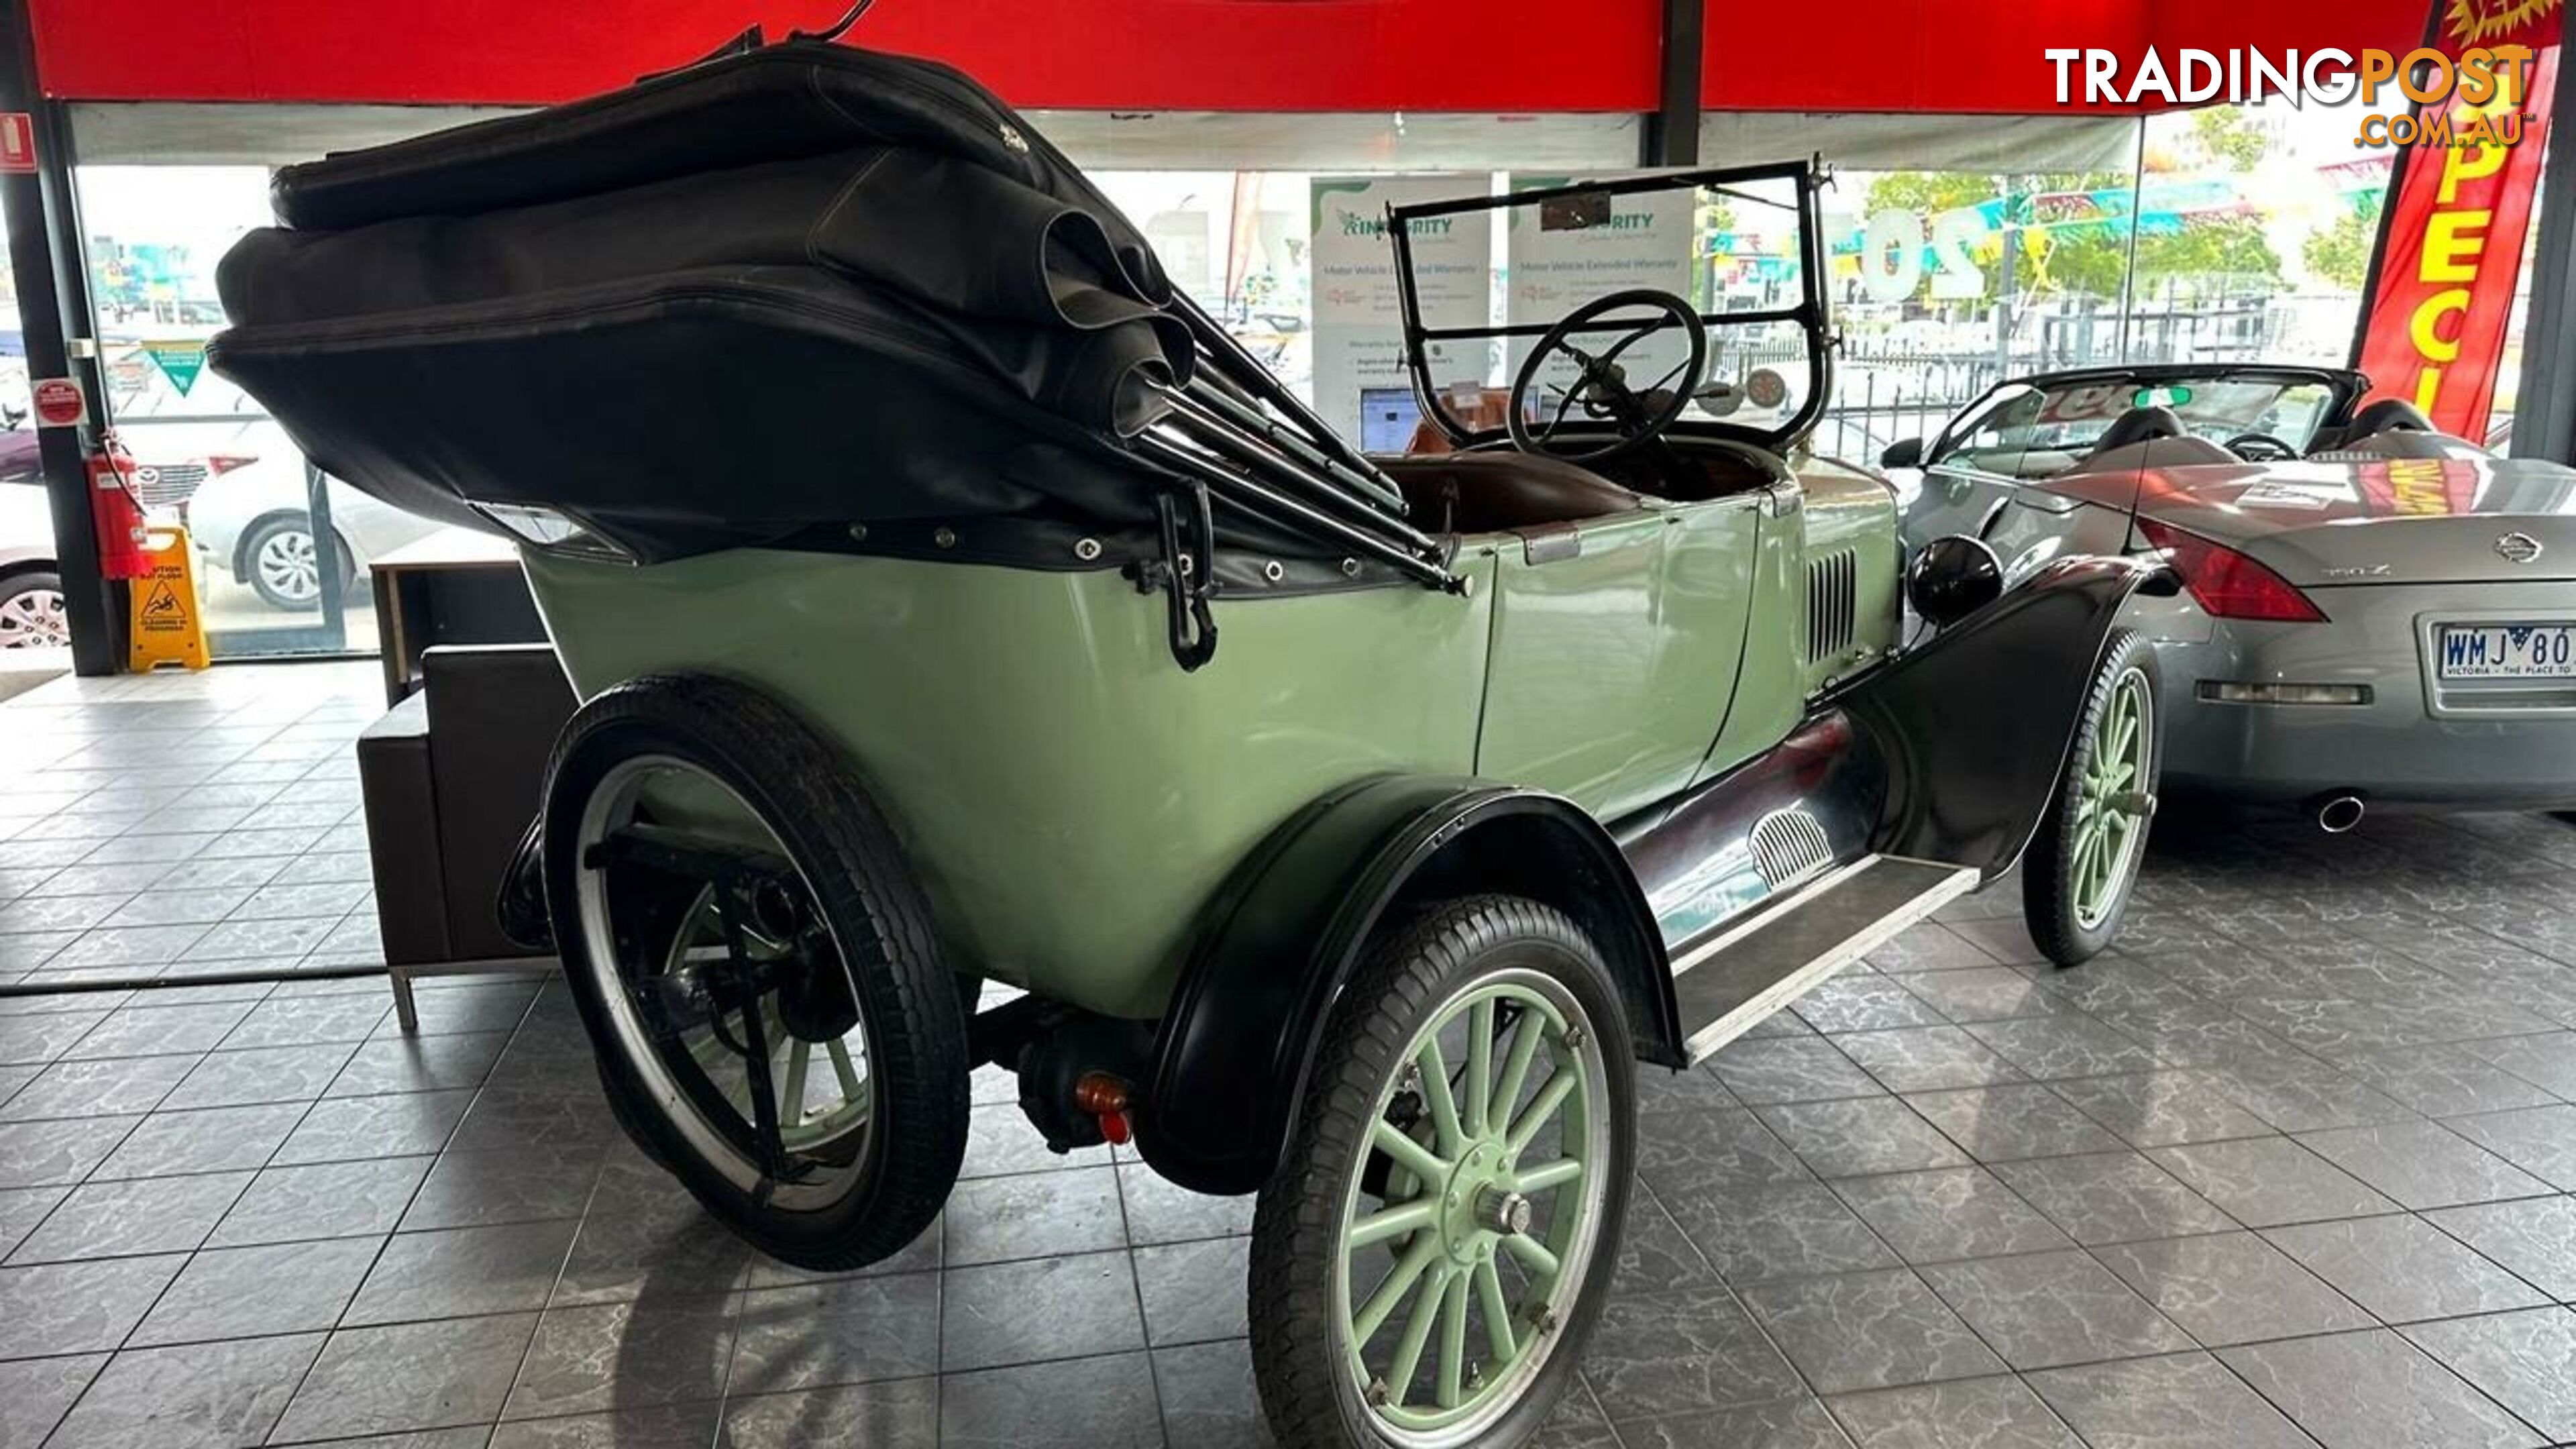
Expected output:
(2417, 741)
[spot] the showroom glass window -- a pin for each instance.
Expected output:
(272, 579)
(1962, 250)
(2256, 225)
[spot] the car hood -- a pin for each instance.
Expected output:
(2364, 520)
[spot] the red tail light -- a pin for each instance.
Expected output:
(2227, 584)
(222, 463)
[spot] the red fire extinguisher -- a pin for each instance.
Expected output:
(117, 512)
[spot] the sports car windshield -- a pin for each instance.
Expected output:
(2044, 426)
(1737, 248)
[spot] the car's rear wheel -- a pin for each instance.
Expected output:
(283, 566)
(756, 968)
(1439, 1239)
(31, 611)
(2085, 858)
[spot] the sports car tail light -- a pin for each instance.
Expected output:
(2227, 584)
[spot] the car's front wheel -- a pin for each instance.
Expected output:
(2084, 861)
(31, 611)
(1440, 1235)
(282, 565)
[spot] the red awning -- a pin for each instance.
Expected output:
(1519, 56)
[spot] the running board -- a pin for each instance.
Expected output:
(1749, 970)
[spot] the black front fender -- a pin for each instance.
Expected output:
(1977, 726)
(1235, 1049)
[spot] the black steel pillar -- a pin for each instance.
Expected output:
(53, 304)
(2544, 415)
(1672, 129)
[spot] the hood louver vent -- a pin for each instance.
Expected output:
(1833, 603)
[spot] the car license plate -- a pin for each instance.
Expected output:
(2508, 651)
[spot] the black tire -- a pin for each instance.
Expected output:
(1413, 968)
(27, 598)
(2064, 933)
(289, 526)
(622, 1112)
(860, 887)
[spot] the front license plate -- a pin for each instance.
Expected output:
(2508, 651)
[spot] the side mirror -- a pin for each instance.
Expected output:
(1953, 577)
(1905, 454)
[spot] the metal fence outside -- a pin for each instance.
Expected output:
(1886, 390)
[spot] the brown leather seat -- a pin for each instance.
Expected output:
(1489, 491)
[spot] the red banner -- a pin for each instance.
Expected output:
(2458, 209)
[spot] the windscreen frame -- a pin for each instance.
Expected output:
(1811, 313)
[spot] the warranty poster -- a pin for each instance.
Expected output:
(1554, 266)
(1362, 387)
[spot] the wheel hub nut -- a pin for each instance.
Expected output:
(1506, 1213)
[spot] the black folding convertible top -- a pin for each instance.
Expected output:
(808, 285)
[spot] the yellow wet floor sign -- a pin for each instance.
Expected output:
(165, 628)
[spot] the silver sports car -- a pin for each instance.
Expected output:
(2372, 614)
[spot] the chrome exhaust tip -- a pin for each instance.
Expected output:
(2340, 813)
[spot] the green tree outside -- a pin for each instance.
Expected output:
(2338, 253)
(2228, 137)
(2090, 259)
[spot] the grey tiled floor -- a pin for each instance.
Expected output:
(2290, 1167)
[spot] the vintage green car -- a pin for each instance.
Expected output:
(1575, 749)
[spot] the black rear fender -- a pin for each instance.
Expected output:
(519, 906)
(1235, 1049)
(1977, 726)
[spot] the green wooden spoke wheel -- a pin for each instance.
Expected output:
(2084, 860)
(1485, 1229)
(2111, 818)
(1440, 1238)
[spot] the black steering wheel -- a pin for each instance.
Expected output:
(1637, 416)
(2274, 450)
